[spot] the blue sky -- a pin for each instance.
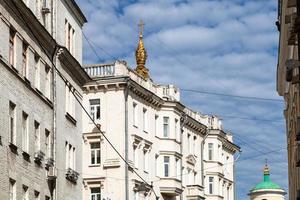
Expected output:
(227, 46)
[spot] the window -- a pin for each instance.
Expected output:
(25, 132)
(24, 60)
(166, 166)
(95, 109)
(70, 156)
(95, 193)
(25, 193)
(95, 153)
(12, 122)
(166, 126)
(211, 185)
(136, 157)
(70, 37)
(178, 166)
(48, 82)
(135, 114)
(12, 35)
(146, 161)
(194, 145)
(48, 143)
(145, 122)
(36, 195)
(37, 72)
(12, 189)
(37, 136)
(156, 125)
(156, 165)
(189, 143)
(177, 131)
(70, 101)
(210, 151)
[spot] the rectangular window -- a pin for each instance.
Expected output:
(189, 142)
(70, 37)
(67, 155)
(210, 151)
(136, 157)
(156, 125)
(177, 130)
(145, 122)
(12, 189)
(166, 126)
(95, 153)
(24, 60)
(211, 185)
(70, 156)
(95, 193)
(25, 193)
(135, 114)
(12, 35)
(166, 166)
(37, 136)
(70, 101)
(95, 109)
(194, 145)
(48, 143)
(156, 165)
(25, 132)
(36, 195)
(48, 82)
(12, 122)
(146, 161)
(178, 167)
(37, 72)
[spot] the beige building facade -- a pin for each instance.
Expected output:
(180, 153)
(39, 117)
(288, 86)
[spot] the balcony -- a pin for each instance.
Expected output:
(170, 186)
(194, 192)
(100, 70)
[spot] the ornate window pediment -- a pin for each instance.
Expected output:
(191, 159)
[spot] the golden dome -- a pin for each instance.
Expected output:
(141, 55)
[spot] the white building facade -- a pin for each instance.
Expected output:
(39, 117)
(165, 142)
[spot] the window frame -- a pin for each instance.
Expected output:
(96, 151)
(166, 126)
(95, 109)
(211, 185)
(166, 166)
(12, 122)
(25, 135)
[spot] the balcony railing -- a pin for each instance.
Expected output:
(100, 70)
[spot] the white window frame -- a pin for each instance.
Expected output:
(211, 185)
(166, 166)
(25, 132)
(12, 122)
(37, 67)
(95, 109)
(95, 195)
(48, 82)
(70, 102)
(12, 47)
(37, 136)
(210, 151)
(95, 151)
(166, 127)
(177, 130)
(135, 114)
(12, 189)
(135, 156)
(178, 168)
(145, 120)
(25, 59)
(146, 160)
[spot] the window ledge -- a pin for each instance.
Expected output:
(14, 69)
(13, 148)
(135, 126)
(71, 119)
(27, 81)
(96, 165)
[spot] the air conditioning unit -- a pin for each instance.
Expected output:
(72, 175)
(49, 163)
(39, 157)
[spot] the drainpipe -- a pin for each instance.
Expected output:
(126, 140)
(183, 119)
(202, 154)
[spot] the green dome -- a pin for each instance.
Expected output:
(267, 183)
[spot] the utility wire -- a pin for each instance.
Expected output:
(73, 91)
(233, 96)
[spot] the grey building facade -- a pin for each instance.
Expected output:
(40, 120)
